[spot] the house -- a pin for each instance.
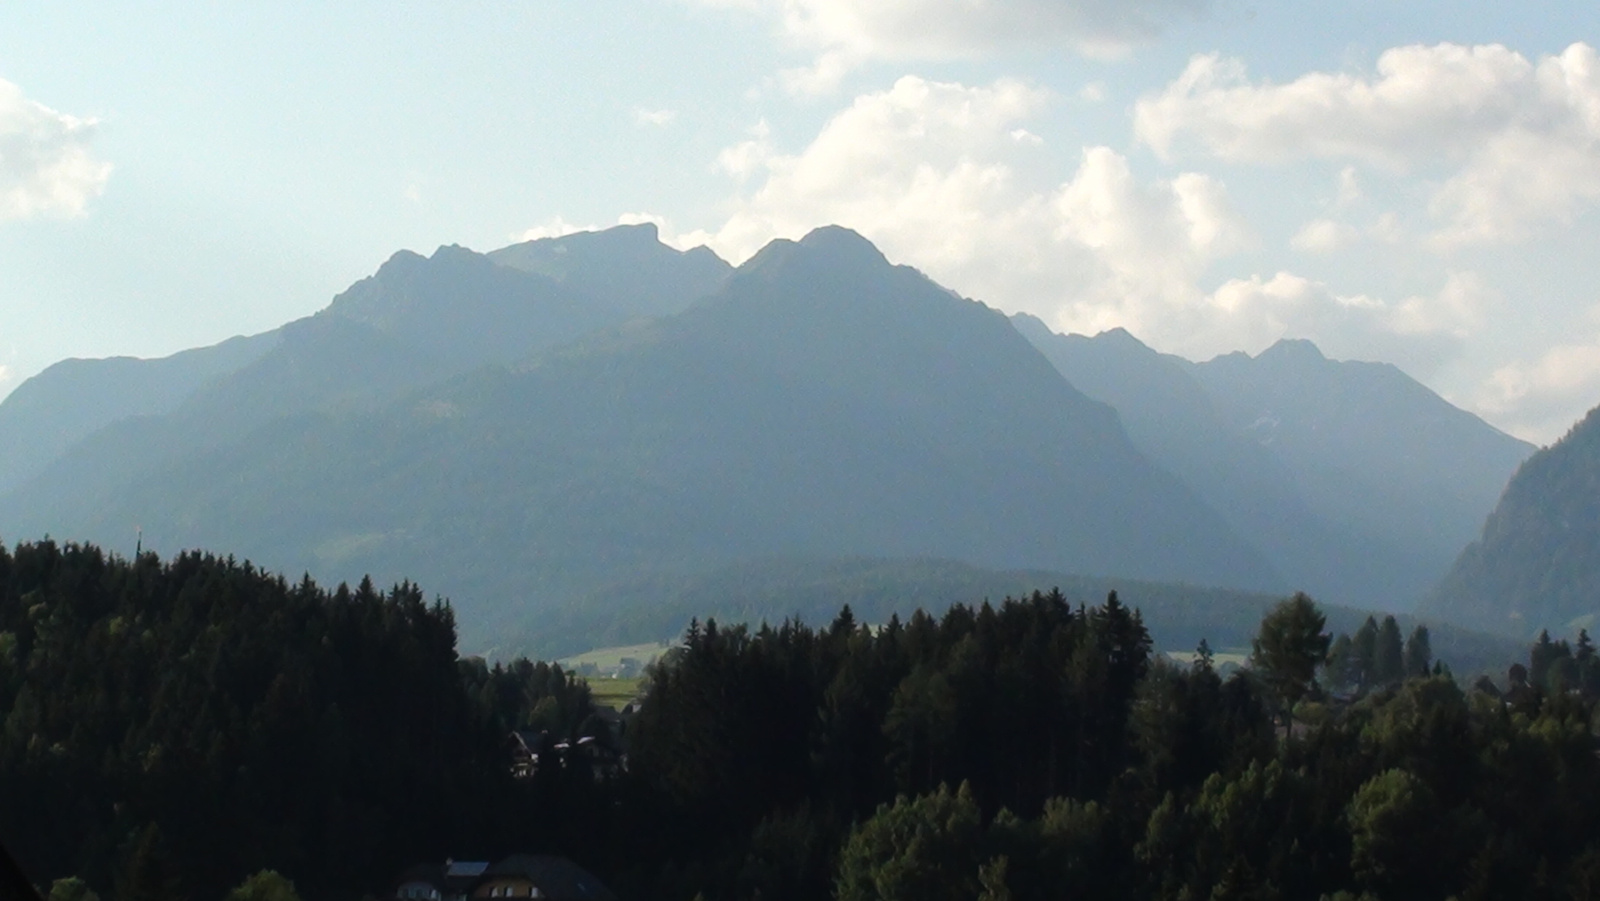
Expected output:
(524, 750)
(529, 750)
(453, 880)
(539, 876)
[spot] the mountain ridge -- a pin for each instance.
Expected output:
(822, 401)
(1314, 460)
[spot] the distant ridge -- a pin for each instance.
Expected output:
(1357, 482)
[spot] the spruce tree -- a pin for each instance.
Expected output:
(1388, 660)
(1418, 652)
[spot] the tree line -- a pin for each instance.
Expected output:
(173, 727)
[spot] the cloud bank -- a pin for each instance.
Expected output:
(1516, 142)
(846, 33)
(945, 177)
(46, 167)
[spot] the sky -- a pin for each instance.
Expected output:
(1412, 182)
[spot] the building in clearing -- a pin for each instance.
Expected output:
(540, 876)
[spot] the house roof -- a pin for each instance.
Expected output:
(558, 878)
(465, 869)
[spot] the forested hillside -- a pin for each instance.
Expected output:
(1536, 564)
(811, 591)
(172, 727)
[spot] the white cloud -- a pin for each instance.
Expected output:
(657, 118)
(46, 168)
(1418, 333)
(554, 227)
(660, 222)
(935, 175)
(1536, 399)
(845, 33)
(1350, 192)
(1093, 92)
(558, 227)
(1324, 236)
(748, 158)
(1514, 143)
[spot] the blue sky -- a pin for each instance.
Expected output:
(1410, 182)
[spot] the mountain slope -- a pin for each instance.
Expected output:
(822, 403)
(1174, 422)
(1536, 563)
(1374, 454)
(1358, 483)
(73, 399)
(813, 590)
(414, 322)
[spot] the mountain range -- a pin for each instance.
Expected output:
(529, 429)
(1359, 484)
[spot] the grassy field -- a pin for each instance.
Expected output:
(1237, 656)
(605, 659)
(613, 693)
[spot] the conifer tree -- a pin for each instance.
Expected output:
(1418, 652)
(1388, 660)
(1288, 650)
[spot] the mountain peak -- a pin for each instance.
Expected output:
(1121, 337)
(1293, 350)
(836, 239)
(832, 251)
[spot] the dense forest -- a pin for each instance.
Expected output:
(172, 727)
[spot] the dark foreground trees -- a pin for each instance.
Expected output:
(172, 728)
(167, 728)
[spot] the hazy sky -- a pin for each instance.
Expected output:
(1408, 181)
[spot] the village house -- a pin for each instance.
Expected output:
(540, 876)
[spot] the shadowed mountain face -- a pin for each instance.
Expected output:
(1358, 483)
(821, 403)
(1536, 564)
(90, 425)
(73, 399)
(1374, 453)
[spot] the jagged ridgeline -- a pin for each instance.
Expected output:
(191, 722)
(549, 426)
(819, 401)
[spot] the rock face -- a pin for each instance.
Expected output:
(1536, 564)
(1358, 483)
(821, 402)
